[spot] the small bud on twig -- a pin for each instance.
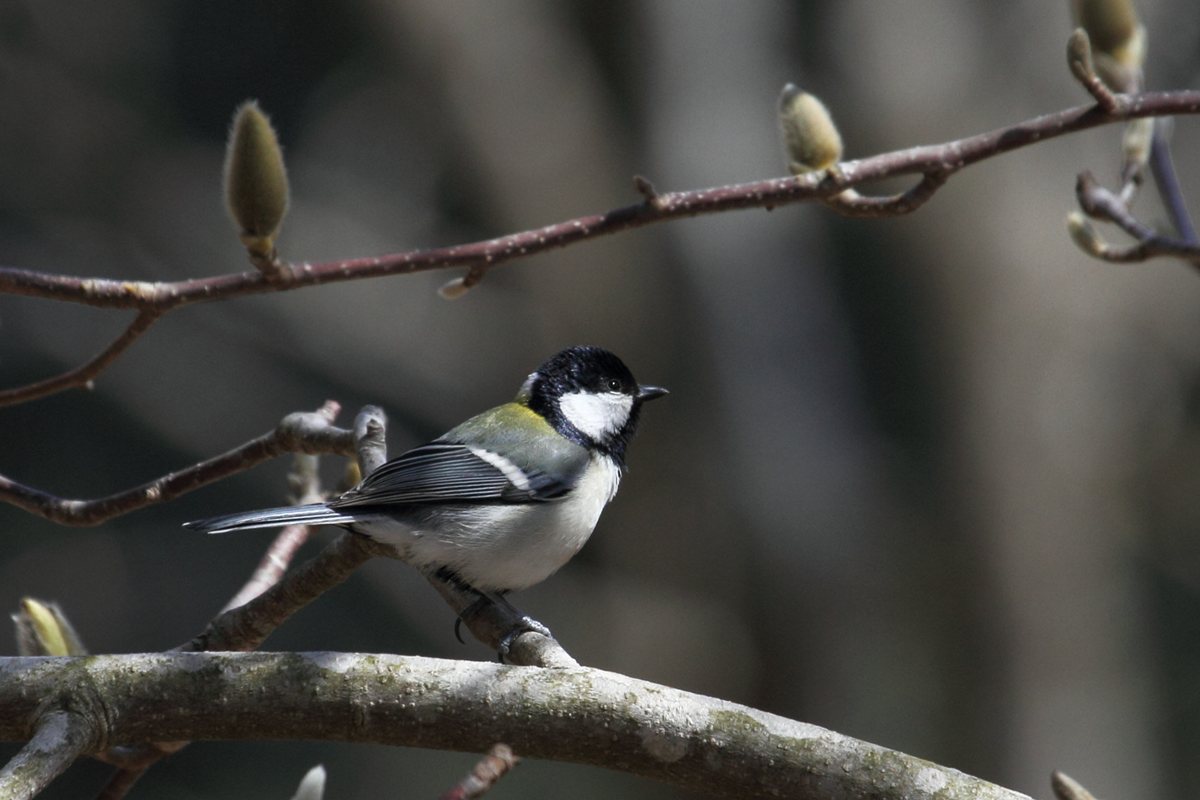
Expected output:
(1109, 23)
(1079, 59)
(43, 630)
(454, 288)
(1136, 143)
(1067, 788)
(1118, 39)
(256, 183)
(811, 139)
(1084, 234)
(457, 287)
(312, 785)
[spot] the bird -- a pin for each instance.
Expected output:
(503, 500)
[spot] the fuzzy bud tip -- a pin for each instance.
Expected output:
(256, 183)
(453, 288)
(809, 136)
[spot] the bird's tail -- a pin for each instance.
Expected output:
(313, 514)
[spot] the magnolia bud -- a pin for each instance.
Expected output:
(43, 630)
(312, 786)
(1118, 40)
(811, 139)
(256, 184)
(1109, 23)
(1079, 56)
(1083, 234)
(454, 288)
(1137, 142)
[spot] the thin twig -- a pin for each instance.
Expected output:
(949, 156)
(1162, 167)
(121, 782)
(304, 432)
(273, 564)
(84, 373)
(1100, 203)
(59, 738)
(494, 765)
(370, 436)
(1079, 59)
(852, 204)
(245, 627)
(942, 160)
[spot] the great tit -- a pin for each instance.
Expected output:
(503, 500)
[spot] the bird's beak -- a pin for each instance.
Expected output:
(650, 392)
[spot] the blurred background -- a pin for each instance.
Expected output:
(930, 481)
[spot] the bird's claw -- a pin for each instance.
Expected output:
(527, 625)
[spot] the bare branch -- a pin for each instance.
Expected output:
(947, 157)
(576, 715)
(1079, 59)
(852, 204)
(497, 763)
(59, 738)
(1162, 166)
(306, 432)
(935, 162)
(1100, 203)
(84, 374)
(245, 627)
(370, 436)
(120, 783)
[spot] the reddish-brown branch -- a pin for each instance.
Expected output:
(935, 162)
(945, 158)
(299, 432)
(852, 204)
(83, 374)
(1100, 203)
(494, 765)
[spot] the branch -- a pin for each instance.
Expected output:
(577, 715)
(935, 162)
(1100, 203)
(271, 595)
(495, 764)
(245, 627)
(948, 158)
(1163, 168)
(491, 622)
(83, 374)
(304, 432)
(59, 738)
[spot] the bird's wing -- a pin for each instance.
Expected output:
(448, 472)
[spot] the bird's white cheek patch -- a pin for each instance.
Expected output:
(596, 416)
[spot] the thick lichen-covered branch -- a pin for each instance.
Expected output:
(574, 714)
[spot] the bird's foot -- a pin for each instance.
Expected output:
(527, 624)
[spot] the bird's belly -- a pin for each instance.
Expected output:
(500, 547)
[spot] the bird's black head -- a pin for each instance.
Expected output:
(589, 396)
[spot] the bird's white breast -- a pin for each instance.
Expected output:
(500, 547)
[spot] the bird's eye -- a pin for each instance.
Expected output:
(614, 385)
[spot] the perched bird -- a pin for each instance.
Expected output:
(503, 500)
